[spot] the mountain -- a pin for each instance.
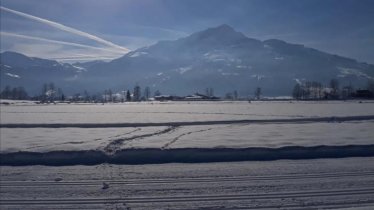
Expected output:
(20, 70)
(219, 58)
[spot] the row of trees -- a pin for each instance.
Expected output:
(127, 95)
(51, 93)
(15, 93)
(234, 95)
(312, 90)
(308, 90)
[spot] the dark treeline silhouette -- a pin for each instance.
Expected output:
(307, 90)
(311, 90)
(15, 93)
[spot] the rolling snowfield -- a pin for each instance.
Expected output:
(188, 155)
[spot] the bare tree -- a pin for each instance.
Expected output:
(334, 85)
(110, 94)
(147, 93)
(6, 93)
(235, 95)
(297, 92)
(86, 96)
(137, 93)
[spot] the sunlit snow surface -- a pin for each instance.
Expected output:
(77, 183)
(178, 111)
(273, 135)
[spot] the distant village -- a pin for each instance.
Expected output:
(301, 91)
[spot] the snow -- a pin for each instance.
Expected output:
(80, 69)
(284, 184)
(217, 56)
(269, 135)
(258, 76)
(183, 70)
(229, 74)
(243, 67)
(15, 102)
(349, 71)
(331, 183)
(299, 81)
(137, 54)
(218, 136)
(148, 112)
(279, 58)
(68, 139)
(274, 135)
(13, 75)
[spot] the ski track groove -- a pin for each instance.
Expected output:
(182, 180)
(197, 113)
(197, 198)
(331, 119)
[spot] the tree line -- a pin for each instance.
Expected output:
(15, 93)
(307, 90)
(312, 90)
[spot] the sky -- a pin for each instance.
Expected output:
(83, 30)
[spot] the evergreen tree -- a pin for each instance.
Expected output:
(258, 93)
(128, 96)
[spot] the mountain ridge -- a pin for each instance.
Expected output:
(219, 58)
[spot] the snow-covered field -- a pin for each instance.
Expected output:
(178, 111)
(217, 136)
(282, 184)
(230, 135)
(69, 134)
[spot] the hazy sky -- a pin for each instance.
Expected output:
(89, 29)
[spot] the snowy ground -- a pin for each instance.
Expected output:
(217, 136)
(236, 135)
(282, 184)
(179, 111)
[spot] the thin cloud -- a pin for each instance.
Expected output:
(68, 29)
(57, 42)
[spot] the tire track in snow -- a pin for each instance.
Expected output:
(116, 136)
(116, 144)
(82, 142)
(165, 146)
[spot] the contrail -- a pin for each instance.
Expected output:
(57, 42)
(67, 29)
